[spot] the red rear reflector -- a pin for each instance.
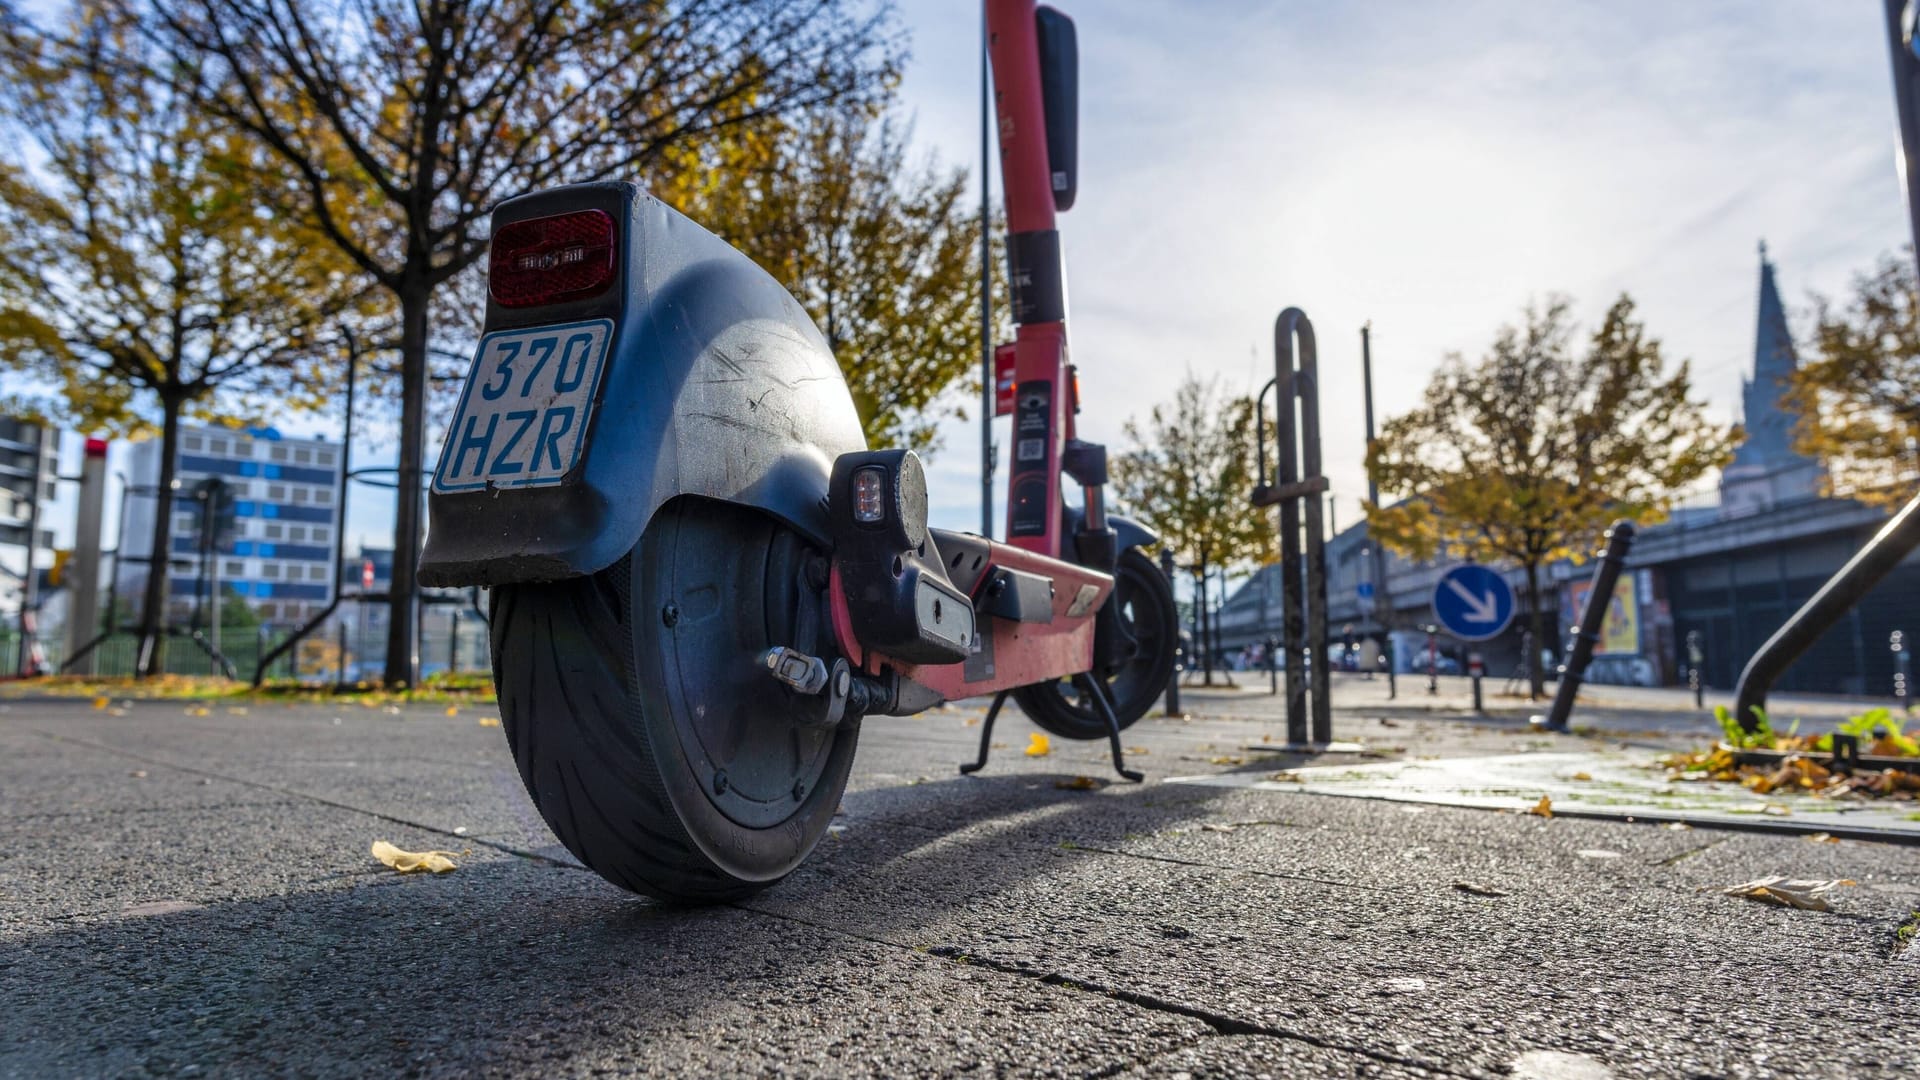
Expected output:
(550, 259)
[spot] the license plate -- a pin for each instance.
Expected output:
(523, 415)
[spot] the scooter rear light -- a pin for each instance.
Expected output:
(550, 259)
(869, 495)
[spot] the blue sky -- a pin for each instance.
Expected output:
(1431, 168)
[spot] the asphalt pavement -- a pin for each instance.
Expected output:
(186, 894)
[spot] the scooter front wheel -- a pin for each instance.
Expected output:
(1149, 631)
(658, 751)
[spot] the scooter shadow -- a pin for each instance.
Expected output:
(521, 964)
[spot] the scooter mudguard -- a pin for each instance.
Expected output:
(692, 372)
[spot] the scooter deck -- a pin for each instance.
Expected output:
(1022, 635)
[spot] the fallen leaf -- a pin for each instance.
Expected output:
(1039, 745)
(1806, 894)
(1677, 826)
(236, 710)
(1080, 783)
(453, 710)
(1543, 808)
(138, 774)
(438, 862)
(1477, 889)
(1136, 751)
(1580, 776)
(100, 703)
(1228, 759)
(970, 721)
(489, 721)
(1215, 827)
(1821, 838)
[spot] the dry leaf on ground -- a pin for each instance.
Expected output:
(438, 862)
(100, 703)
(1039, 745)
(1807, 894)
(1543, 808)
(489, 721)
(1080, 783)
(1228, 759)
(1581, 776)
(1476, 889)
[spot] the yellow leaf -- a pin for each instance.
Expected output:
(1038, 745)
(1228, 759)
(1543, 808)
(1580, 776)
(99, 703)
(438, 862)
(453, 710)
(489, 721)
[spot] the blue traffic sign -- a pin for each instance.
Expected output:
(1472, 602)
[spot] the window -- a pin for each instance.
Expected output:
(323, 458)
(275, 530)
(323, 496)
(217, 446)
(296, 532)
(276, 493)
(235, 569)
(270, 571)
(191, 442)
(243, 448)
(278, 453)
(303, 456)
(299, 495)
(185, 523)
(320, 534)
(317, 572)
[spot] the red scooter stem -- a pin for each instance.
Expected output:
(1043, 405)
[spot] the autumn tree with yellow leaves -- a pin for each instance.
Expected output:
(1189, 475)
(140, 282)
(1857, 398)
(1528, 454)
(406, 121)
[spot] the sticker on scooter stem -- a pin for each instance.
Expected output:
(1032, 445)
(523, 413)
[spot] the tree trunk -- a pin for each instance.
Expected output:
(402, 654)
(1206, 631)
(1536, 623)
(152, 657)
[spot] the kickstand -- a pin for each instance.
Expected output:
(986, 734)
(1097, 693)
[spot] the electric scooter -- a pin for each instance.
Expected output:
(702, 578)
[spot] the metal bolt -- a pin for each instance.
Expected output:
(799, 790)
(670, 614)
(720, 782)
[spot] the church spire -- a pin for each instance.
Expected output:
(1767, 456)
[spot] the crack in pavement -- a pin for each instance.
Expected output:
(1221, 1023)
(292, 793)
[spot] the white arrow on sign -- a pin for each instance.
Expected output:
(1484, 608)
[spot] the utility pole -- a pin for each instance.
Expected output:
(988, 392)
(1382, 595)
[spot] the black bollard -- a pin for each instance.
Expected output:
(1695, 679)
(1605, 576)
(1179, 652)
(1902, 658)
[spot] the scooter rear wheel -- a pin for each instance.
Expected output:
(1149, 631)
(654, 746)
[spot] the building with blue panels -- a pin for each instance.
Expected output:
(279, 554)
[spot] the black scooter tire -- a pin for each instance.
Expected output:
(1151, 623)
(621, 695)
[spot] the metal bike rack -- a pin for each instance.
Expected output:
(1902, 534)
(1303, 603)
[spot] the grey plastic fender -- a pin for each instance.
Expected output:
(716, 384)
